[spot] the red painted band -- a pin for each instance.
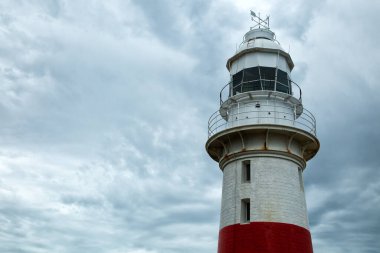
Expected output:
(264, 237)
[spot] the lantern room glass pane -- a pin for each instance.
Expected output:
(237, 79)
(251, 74)
(282, 82)
(260, 78)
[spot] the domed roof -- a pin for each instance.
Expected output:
(263, 33)
(263, 40)
(260, 43)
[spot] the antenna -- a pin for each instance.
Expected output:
(259, 22)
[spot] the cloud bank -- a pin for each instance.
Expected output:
(104, 109)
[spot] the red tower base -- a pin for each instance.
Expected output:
(264, 237)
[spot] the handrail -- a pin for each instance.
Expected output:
(249, 114)
(239, 88)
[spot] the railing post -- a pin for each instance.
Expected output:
(275, 77)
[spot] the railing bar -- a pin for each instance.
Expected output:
(305, 121)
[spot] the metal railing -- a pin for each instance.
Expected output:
(230, 90)
(249, 114)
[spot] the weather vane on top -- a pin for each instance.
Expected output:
(260, 23)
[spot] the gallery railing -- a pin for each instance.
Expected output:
(249, 114)
(231, 89)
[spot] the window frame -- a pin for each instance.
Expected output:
(245, 216)
(300, 179)
(261, 78)
(246, 171)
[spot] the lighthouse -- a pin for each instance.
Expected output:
(262, 136)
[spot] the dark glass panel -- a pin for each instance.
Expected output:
(251, 74)
(247, 86)
(267, 77)
(248, 211)
(258, 78)
(282, 81)
(268, 73)
(248, 171)
(282, 77)
(256, 85)
(236, 81)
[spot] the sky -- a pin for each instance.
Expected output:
(103, 120)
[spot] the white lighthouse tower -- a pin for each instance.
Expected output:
(262, 136)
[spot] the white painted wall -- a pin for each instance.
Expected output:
(274, 190)
(263, 59)
(270, 112)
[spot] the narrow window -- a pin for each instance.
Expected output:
(246, 171)
(300, 178)
(245, 211)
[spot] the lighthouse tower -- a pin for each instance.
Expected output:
(262, 136)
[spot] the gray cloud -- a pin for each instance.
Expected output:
(104, 108)
(345, 171)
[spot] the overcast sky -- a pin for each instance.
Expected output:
(103, 120)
